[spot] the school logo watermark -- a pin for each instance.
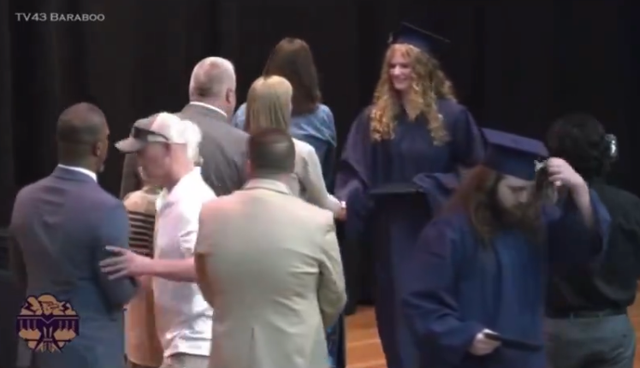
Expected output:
(59, 17)
(47, 324)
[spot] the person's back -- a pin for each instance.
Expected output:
(60, 226)
(269, 106)
(587, 321)
(212, 96)
(319, 130)
(268, 278)
(316, 128)
(221, 149)
(611, 285)
(277, 277)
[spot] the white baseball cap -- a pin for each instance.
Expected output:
(162, 128)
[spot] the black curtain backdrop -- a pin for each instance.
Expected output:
(516, 66)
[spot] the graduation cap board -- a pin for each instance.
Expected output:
(395, 189)
(414, 36)
(393, 199)
(514, 155)
(512, 343)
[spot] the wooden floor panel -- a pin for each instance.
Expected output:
(363, 344)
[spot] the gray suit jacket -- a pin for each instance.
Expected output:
(223, 150)
(273, 263)
(59, 228)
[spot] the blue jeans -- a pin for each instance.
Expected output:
(336, 344)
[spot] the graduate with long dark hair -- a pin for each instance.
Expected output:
(475, 285)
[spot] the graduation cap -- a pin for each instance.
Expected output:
(394, 189)
(515, 344)
(404, 197)
(407, 199)
(414, 36)
(514, 155)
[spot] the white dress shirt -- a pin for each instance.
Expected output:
(197, 103)
(82, 170)
(183, 317)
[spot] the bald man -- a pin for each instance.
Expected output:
(212, 96)
(59, 228)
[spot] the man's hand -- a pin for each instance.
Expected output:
(483, 346)
(562, 174)
(125, 263)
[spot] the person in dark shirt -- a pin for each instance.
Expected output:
(587, 321)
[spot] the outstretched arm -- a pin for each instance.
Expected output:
(313, 182)
(353, 175)
(114, 231)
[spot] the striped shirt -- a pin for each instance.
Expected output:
(142, 343)
(141, 208)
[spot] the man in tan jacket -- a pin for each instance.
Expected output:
(269, 264)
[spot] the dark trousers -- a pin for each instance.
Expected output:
(598, 342)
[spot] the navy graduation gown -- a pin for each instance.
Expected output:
(455, 287)
(365, 166)
(437, 188)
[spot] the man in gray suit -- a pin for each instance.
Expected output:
(212, 96)
(269, 264)
(59, 229)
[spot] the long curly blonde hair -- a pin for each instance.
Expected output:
(429, 83)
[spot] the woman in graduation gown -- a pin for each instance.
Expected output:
(474, 289)
(415, 125)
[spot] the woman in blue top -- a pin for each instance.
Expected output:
(311, 122)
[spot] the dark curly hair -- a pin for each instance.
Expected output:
(581, 140)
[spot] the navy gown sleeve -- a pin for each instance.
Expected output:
(354, 173)
(428, 295)
(569, 239)
(468, 145)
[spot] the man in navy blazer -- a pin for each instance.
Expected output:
(59, 229)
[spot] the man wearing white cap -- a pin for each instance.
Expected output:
(167, 152)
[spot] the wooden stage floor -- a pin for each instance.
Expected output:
(363, 345)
